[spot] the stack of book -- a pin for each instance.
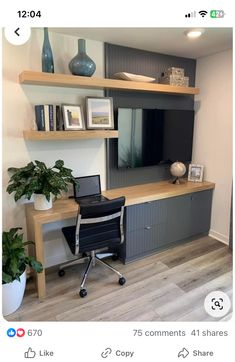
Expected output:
(48, 117)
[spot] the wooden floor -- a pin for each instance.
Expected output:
(168, 286)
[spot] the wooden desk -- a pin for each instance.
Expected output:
(68, 208)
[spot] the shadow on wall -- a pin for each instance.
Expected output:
(56, 249)
(197, 106)
(61, 146)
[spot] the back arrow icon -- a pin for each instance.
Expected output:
(16, 31)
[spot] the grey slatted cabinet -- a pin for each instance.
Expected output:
(177, 219)
(143, 228)
(201, 211)
(153, 225)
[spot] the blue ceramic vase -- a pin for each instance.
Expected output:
(47, 56)
(82, 64)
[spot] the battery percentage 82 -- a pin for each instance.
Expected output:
(215, 14)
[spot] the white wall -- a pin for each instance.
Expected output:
(83, 156)
(213, 134)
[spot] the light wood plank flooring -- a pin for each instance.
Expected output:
(168, 286)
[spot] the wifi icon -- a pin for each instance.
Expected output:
(202, 13)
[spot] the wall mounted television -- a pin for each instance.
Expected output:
(149, 137)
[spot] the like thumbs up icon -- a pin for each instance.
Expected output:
(30, 353)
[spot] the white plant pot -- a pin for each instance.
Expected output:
(41, 203)
(12, 295)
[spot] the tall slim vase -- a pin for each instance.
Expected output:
(82, 64)
(47, 56)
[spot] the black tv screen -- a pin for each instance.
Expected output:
(150, 137)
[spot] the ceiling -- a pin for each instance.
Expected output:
(161, 40)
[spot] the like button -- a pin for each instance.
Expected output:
(30, 353)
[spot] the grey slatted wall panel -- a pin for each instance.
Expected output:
(118, 59)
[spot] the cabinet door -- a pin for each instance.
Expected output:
(178, 224)
(145, 214)
(143, 241)
(201, 211)
(145, 228)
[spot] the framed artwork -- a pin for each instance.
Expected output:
(99, 113)
(195, 172)
(73, 117)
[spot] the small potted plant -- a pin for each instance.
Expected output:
(36, 178)
(14, 264)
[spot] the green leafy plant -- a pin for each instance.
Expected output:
(14, 258)
(36, 178)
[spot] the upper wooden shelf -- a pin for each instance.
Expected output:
(68, 135)
(66, 80)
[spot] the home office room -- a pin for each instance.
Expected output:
(117, 174)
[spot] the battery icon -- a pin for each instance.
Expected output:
(216, 14)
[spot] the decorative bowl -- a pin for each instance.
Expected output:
(133, 77)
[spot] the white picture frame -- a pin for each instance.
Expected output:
(195, 172)
(99, 113)
(73, 117)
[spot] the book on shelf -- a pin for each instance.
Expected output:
(46, 113)
(59, 119)
(54, 117)
(40, 117)
(51, 120)
(48, 117)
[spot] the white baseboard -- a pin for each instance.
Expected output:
(218, 236)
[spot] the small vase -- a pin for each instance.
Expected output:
(81, 64)
(47, 56)
(41, 203)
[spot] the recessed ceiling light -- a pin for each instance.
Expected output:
(194, 33)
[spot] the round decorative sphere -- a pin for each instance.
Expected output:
(178, 169)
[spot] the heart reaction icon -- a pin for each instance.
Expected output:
(20, 332)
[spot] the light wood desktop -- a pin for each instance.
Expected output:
(67, 209)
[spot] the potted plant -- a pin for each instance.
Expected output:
(14, 263)
(36, 178)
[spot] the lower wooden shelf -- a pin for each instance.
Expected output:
(68, 135)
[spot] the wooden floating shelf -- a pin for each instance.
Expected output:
(72, 81)
(68, 135)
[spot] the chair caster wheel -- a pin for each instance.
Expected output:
(122, 281)
(61, 273)
(114, 257)
(83, 293)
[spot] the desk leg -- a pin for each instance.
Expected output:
(39, 248)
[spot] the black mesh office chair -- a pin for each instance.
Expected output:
(99, 226)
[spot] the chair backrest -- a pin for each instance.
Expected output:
(100, 225)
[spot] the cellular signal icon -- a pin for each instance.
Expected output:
(191, 15)
(202, 13)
